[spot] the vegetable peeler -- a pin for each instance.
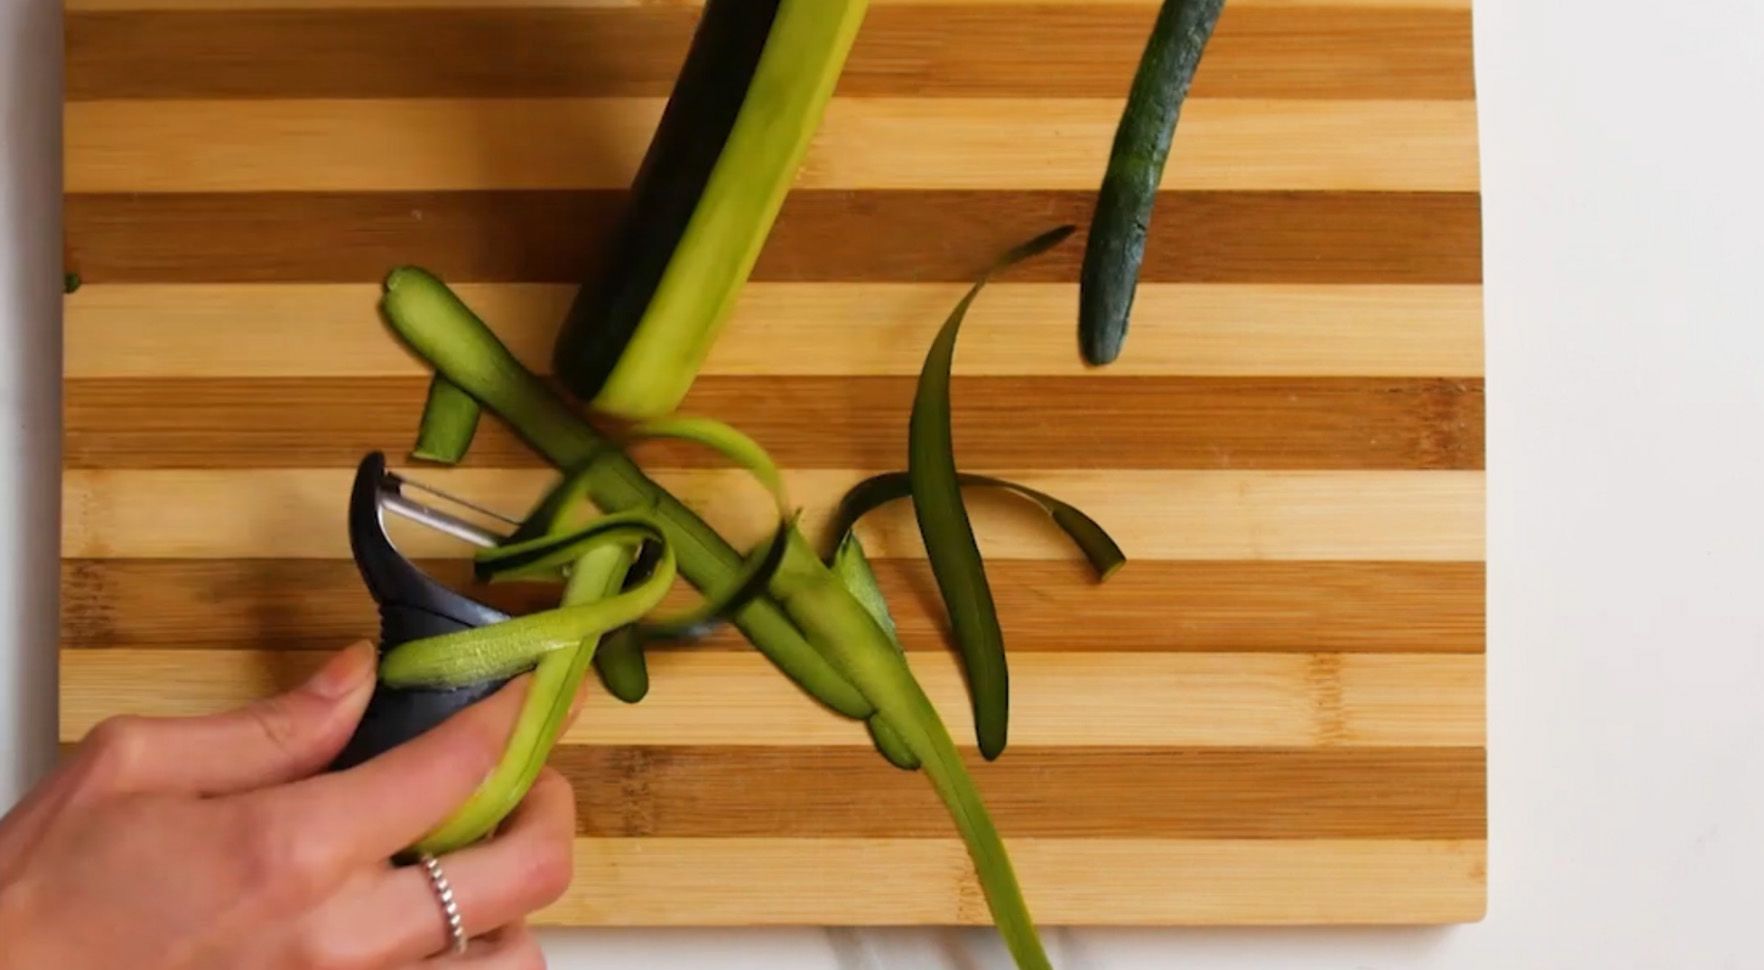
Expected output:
(412, 604)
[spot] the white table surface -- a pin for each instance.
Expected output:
(1622, 142)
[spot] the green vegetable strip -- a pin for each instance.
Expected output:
(833, 616)
(433, 321)
(943, 521)
(553, 689)
(1099, 548)
(852, 568)
(450, 419)
(758, 572)
(539, 557)
(622, 667)
(853, 649)
(891, 745)
(1116, 247)
(513, 646)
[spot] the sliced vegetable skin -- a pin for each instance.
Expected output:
(433, 321)
(853, 569)
(450, 420)
(560, 644)
(850, 565)
(1099, 548)
(846, 640)
(804, 53)
(555, 682)
(943, 520)
(1116, 247)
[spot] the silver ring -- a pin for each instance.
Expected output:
(449, 906)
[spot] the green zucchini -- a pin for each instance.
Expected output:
(1116, 248)
(450, 420)
(633, 341)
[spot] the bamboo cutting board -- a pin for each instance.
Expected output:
(1274, 714)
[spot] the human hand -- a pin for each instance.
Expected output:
(221, 842)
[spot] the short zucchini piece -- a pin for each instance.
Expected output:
(1116, 248)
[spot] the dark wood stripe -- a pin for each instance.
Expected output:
(1197, 793)
(984, 50)
(906, 235)
(1075, 792)
(1368, 607)
(821, 422)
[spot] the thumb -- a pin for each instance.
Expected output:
(268, 742)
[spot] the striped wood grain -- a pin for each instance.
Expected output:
(1141, 700)
(705, 792)
(259, 330)
(918, 235)
(1081, 422)
(298, 512)
(1153, 606)
(1274, 714)
(864, 143)
(1029, 51)
(1088, 881)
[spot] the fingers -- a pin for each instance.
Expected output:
(374, 810)
(511, 948)
(397, 917)
(265, 743)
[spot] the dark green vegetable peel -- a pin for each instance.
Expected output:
(943, 520)
(1098, 547)
(623, 669)
(1116, 248)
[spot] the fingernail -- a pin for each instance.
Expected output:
(344, 673)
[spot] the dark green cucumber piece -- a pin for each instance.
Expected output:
(1116, 248)
(689, 139)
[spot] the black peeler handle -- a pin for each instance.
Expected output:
(412, 606)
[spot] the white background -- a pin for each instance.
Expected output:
(1622, 152)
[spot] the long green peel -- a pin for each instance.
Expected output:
(1099, 548)
(846, 639)
(513, 646)
(943, 520)
(553, 688)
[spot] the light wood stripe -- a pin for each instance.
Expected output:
(908, 236)
(1374, 607)
(1217, 330)
(1021, 422)
(85, 5)
(298, 513)
(1142, 700)
(1257, 52)
(1092, 882)
(863, 143)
